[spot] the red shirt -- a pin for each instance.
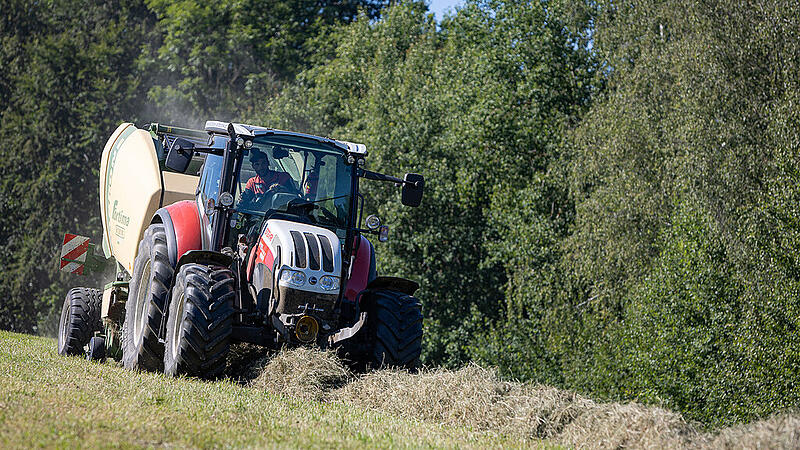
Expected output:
(259, 185)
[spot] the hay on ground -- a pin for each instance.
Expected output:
(477, 398)
(302, 373)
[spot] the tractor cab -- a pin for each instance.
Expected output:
(297, 179)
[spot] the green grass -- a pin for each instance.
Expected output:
(51, 401)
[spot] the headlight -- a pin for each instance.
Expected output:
(298, 278)
(329, 283)
(373, 222)
(293, 277)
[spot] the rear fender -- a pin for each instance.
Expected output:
(182, 225)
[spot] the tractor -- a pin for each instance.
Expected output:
(237, 234)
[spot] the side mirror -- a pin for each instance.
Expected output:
(412, 189)
(179, 155)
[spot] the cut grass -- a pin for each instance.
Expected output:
(476, 397)
(307, 398)
(51, 401)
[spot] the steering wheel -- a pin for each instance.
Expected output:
(326, 213)
(281, 189)
(307, 206)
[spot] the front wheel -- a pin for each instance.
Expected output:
(394, 330)
(80, 318)
(200, 321)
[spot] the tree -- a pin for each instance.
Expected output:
(477, 107)
(67, 82)
(223, 59)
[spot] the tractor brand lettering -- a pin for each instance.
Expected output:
(268, 235)
(118, 216)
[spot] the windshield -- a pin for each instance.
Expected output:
(292, 175)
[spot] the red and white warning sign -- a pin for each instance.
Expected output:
(73, 253)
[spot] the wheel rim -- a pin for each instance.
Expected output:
(142, 299)
(62, 329)
(176, 330)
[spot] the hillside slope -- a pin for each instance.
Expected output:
(51, 401)
(307, 398)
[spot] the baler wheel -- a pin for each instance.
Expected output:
(80, 318)
(97, 349)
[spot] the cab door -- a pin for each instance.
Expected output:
(207, 193)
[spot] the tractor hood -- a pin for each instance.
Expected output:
(307, 258)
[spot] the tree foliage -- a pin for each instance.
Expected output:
(68, 79)
(611, 188)
(225, 58)
(478, 107)
(682, 193)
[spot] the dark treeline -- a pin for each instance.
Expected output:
(612, 202)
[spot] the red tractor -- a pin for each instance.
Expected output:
(270, 251)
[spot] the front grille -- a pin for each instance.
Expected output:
(313, 251)
(327, 253)
(299, 249)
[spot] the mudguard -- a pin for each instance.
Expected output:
(182, 225)
(364, 269)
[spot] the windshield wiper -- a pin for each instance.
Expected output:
(329, 198)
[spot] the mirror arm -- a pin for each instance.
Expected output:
(363, 173)
(213, 151)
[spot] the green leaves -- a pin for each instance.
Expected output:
(478, 107)
(70, 82)
(225, 59)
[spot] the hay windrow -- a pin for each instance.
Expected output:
(302, 373)
(477, 398)
(781, 431)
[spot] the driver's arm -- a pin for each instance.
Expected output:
(287, 183)
(248, 195)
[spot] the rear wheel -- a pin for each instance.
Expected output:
(144, 310)
(200, 321)
(394, 330)
(80, 318)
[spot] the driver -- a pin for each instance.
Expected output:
(266, 180)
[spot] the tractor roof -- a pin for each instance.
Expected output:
(217, 127)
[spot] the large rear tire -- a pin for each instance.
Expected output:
(80, 318)
(394, 330)
(200, 321)
(144, 310)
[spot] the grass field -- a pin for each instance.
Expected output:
(307, 398)
(51, 401)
